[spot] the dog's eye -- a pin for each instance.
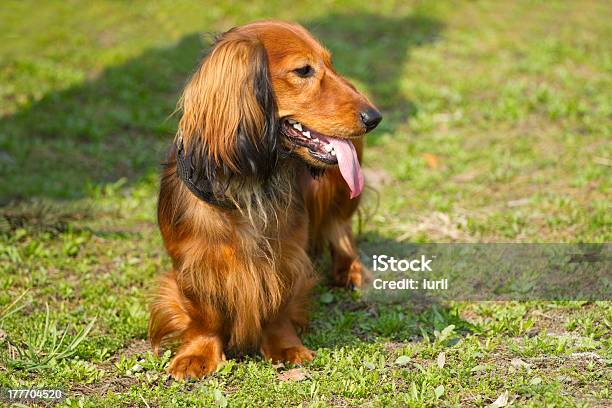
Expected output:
(305, 71)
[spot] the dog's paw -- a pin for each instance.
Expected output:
(183, 367)
(298, 355)
(351, 277)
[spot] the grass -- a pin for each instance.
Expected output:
(497, 129)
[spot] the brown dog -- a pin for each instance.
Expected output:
(264, 168)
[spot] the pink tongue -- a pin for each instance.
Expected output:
(349, 165)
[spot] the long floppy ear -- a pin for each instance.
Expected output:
(229, 124)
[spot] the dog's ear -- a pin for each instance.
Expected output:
(229, 125)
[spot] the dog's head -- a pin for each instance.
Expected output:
(266, 87)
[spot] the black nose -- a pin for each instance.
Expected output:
(371, 118)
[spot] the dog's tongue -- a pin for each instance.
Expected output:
(349, 165)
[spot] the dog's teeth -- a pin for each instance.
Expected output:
(291, 121)
(306, 133)
(315, 140)
(333, 152)
(328, 148)
(298, 126)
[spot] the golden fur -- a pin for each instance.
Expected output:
(241, 277)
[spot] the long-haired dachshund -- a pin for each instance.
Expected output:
(264, 169)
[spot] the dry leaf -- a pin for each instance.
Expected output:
(431, 160)
(441, 359)
(402, 360)
(479, 368)
(518, 363)
(466, 176)
(295, 374)
(518, 203)
(501, 401)
(369, 365)
(535, 381)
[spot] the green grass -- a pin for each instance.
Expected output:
(497, 129)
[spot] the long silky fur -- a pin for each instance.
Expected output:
(229, 261)
(241, 278)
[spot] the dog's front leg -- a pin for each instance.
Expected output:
(347, 269)
(201, 349)
(199, 355)
(281, 342)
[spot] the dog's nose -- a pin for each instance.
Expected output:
(370, 118)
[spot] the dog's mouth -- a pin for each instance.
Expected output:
(328, 151)
(319, 146)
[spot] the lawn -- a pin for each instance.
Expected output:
(497, 129)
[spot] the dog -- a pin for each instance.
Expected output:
(264, 170)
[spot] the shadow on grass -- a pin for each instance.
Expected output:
(115, 126)
(341, 317)
(118, 125)
(343, 321)
(373, 49)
